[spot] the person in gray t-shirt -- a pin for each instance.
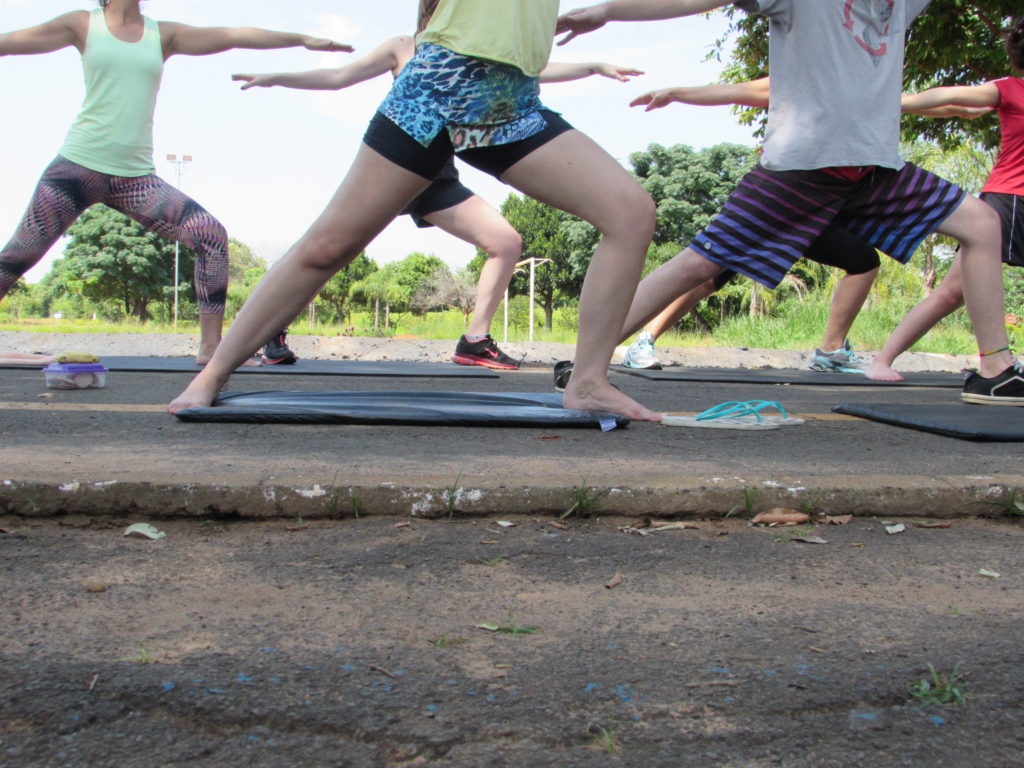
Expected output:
(831, 156)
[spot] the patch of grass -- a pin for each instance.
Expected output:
(1014, 502)
(604, 738)
(451, 495)
(939, 689)
(446, 641)
(513, 629)
(492, 561)
(357, 505)
(797, 533)
(142, 658)
(808, 507)
(584, 500)
(749, 496)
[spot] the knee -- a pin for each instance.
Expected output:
(506, 245)
(635, 215)
(206, 233)
(318, 253)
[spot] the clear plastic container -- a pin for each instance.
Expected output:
(75, 376)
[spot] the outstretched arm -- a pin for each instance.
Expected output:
(202, 41)
(561, 72)
(986, 95)
(754, 93)
(385, 58)
(67, 29)
(584, 20)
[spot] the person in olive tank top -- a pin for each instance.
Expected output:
(471, 89)
(108, 154)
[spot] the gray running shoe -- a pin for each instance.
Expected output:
(843, 360)
(641, 353)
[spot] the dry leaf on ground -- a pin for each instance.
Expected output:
(780, 516)
(615, 581)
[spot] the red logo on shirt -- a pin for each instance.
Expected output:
(869, 22)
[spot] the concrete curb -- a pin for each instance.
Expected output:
(946, 496)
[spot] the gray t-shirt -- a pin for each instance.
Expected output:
(836, 75)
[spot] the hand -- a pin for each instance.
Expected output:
(655, 99)
(323, 44)
(622, 74)
(253, 81)
(581, 21)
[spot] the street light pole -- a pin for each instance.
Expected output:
(185, 160)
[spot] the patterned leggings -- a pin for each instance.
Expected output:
(67, 189)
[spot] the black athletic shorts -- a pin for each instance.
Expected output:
(446, 191)
(1011, 213)
(840, 248)
(396, 145)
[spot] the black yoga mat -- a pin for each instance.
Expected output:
(989, 423)
(468, 409)
(792, 376)
(301, 368)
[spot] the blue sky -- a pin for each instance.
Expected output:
(267, 160)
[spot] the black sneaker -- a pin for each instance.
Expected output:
(563, 370)
(1005, 389)
(484, 352)
(276, 352)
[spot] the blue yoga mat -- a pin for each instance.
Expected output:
(989, 423)
(466, 409)
(792, 376)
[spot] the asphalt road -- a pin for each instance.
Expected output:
(89, 442)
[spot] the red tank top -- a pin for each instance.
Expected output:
(1007, 174)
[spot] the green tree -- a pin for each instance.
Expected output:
(689, 186)
(113, 258)
(549, 234)
(243, 264)
(336, 293)
(382, 287)
(413, 273)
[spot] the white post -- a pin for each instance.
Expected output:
(506, 314)
(185, 159)
(533, 262)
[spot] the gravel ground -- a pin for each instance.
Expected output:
(361, 348)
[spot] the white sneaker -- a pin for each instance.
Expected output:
(641, 353)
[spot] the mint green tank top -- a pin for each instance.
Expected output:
(113, 133)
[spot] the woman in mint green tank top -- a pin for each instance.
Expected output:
(108, 154)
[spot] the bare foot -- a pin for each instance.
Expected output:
(879, 371)
(602, 396)
(200, 393)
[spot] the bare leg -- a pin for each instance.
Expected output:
(976, 225)
(573, 173)
(679, 309)
(211, 325)
(849, 297)
(678, 276)
(372, 194)
(944, 300)
(476, 222)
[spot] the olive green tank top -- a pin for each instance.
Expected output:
(516, 32)
(113, 133)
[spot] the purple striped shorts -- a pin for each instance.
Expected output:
(772, 217)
